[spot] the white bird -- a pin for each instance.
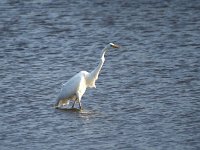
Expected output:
(76, 86)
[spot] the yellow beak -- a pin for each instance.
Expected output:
(114, 45)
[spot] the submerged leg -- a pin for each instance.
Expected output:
(73, 103)
(80, 105)
(79, 99)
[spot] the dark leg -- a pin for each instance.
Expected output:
(73, 103)
(80, 105)
(79, 101)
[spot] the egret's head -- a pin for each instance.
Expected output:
(110, 45)
(114, 45)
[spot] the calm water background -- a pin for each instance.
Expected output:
(148, 93)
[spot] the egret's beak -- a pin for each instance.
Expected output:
(114, 45)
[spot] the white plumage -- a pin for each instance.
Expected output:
(77, 85)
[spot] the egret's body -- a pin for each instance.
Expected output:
(77, 85)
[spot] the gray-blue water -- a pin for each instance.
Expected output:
(148, 92)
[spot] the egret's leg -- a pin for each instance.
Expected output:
(73, 103)
(79, 99)
(80, 105)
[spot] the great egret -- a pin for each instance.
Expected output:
(76, 86)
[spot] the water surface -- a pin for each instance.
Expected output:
(147, 95)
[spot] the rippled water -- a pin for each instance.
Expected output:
(148, 93)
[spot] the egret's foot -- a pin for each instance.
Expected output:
(80, 107)
(72, 106)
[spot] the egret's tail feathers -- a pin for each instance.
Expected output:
(61, 102)
(56, 106)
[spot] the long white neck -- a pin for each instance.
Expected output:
(93, 76)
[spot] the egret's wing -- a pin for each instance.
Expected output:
(69, 88)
